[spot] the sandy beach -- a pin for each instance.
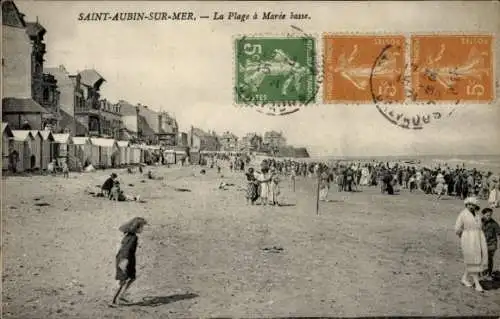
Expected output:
(206, 253)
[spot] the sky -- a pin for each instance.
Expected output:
(186, 68)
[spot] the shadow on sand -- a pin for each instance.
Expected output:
(161, 300)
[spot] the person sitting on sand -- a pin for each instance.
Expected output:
(125, 258)
(108, 184)
(117, 194)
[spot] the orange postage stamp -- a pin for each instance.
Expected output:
(361, 68)
(452, 68)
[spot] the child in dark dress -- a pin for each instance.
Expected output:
(125, 258)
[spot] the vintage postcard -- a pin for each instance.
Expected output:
(250, 159)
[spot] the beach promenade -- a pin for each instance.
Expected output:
(206, 253)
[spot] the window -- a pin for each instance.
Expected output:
(46, 95)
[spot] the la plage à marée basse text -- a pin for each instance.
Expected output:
(136, 16)
(242, 17)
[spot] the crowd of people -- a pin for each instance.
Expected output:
(476, 228)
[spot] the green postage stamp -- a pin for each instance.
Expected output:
(275, 70)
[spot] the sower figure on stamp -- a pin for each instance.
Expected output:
(125, 258)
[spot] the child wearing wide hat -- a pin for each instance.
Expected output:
(125, 258)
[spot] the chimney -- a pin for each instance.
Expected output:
(159, 122)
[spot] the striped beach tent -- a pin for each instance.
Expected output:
(108, 151)
(48, 149)
(81, 149)
(37, 148)
(124, 152)
(7, 136)
(23, 140)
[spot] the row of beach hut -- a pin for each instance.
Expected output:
(36, 149)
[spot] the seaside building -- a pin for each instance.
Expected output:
(200, 140)
(88, 114)
(148, 124)
(274, 140)
(43, 85)
(229, 142)
(251, 142)
(130, 120)
(18, 107)
(111, 122)
(182, 139)
(70, 97)
(168, 130)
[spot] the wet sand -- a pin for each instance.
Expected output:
(206, 253)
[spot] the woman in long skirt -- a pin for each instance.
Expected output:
(473, 242)
(252, 187)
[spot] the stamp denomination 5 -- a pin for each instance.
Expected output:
(349, 65)
(452, 68)
(275, 70)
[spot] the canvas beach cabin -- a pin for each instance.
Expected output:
(48, 150)
(7, 137)
(108, 151)
(135, 154)
(62, 142)
(23, 141)
(37, 149)
(81, 150)
(124, 152)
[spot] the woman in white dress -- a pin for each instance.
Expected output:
(494, 196)
(472, 241)
(264, 178)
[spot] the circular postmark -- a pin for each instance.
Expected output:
(398, 117)
(276, 75)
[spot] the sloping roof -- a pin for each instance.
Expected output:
(106, 142)
(123, 143)
(6, 129)
(91, 77)
(35, 133)
(144, 126)
(11, 15)
(81, 140)
(151, 117)
(47, 136)
(15, 105)
(64, 138)
(22, 135)
(126, 108)
(35, 29)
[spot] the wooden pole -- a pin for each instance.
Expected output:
(317, 196)
(293, 183)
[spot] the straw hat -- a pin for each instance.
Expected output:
(471, 201)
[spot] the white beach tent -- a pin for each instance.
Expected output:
(81, 149)
(108, 151)
(48, 149)
(23, 141)
(62, 142)
(7, 136)
(135, 154)
(124, 152)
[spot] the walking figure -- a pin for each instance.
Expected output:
(125, 259)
